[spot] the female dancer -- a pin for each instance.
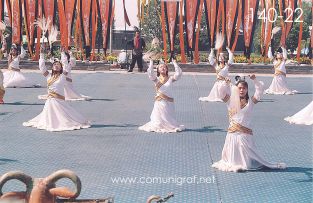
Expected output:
(3, 50)
(69, 91)
(13, 77)
(163, 114)
(57, 114)
(279, 84)
(221, 68)
(303, 117)
(239, 152)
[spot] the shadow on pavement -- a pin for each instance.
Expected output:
(102, 99)
(305, 93)
(306, 171)
(267, 100)
(206, 129)
(24, 104)
(113, 126)
(5, 161)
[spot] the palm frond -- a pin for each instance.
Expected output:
(53, 33)
(219, 40)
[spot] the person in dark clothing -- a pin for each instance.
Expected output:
(138, 44)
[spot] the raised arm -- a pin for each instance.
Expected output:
(231, 57)
(10, 58)
(285, 56)
(151, 73)
(23, 52)
(72, 60)
(224, 91)
(178, 71)
(270, 54)
(42, 65)
(259, 89)
(4, 45)
(212, 60)
(65, 64)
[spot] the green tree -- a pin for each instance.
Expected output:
(292, 39)
(151, 25)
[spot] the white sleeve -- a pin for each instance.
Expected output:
(42, 65)
(23, 52)
(178, 72)
(259, 89)
(225, 91)
(150, 72)
(65, 64)
(72, 61)
(270, 54)
(66, 67)
(285, 56)
(231, 56)
(211, 57)
(63, 57)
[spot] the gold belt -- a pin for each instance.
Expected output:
(56, 95)
(220, 78)
(161, 96)
(278, 72)
(236, 127)
(14, 69)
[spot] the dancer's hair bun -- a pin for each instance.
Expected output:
(239, 78)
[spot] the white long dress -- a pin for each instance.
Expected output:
(69, 92)
(303, 117)
(239, 151)
(57, 114)
(221, 76)
(13, 76)
(279, 83)
(163, 114)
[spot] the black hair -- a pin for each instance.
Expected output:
(158, 73)
(240, 80)
(15, 48)
(219, 62)
(61, 71)
(225, 59)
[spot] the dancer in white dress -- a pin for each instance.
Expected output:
(2, 90)
(221, 68)
(163, 114)
(57, 114)
(303, 117)
(279, 83)
(13, 76)
(239, 152)
(69, 92)
(3, 50)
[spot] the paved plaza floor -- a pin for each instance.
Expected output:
(113, 148)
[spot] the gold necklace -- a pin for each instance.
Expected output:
(243, 103)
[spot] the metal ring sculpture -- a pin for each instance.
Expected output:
(41, 190)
